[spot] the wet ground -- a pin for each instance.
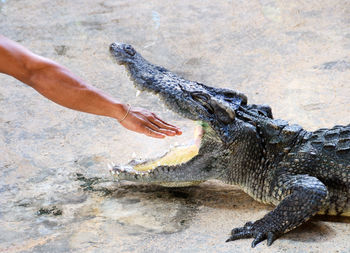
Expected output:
(55, 190)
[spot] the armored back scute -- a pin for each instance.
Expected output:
(334, 141)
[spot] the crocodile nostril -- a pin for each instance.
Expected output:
(112, 46)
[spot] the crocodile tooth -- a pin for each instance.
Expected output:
(110, 166)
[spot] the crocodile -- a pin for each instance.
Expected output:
(301, 173)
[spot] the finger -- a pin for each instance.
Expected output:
(164, 125)
(237, 230)
(240, 235)
(270, 238)
(158, 129)
(151, 133)
(154, 123)
(142, 125)
(259, 238)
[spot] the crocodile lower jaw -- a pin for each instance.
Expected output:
(175, 156)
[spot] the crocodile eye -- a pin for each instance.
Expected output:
(129, 50)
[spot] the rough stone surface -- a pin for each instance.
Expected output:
(293, 56)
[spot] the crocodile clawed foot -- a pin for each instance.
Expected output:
(250, 230)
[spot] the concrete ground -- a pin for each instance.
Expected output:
(55, 190)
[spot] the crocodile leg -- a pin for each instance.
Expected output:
(300, 196)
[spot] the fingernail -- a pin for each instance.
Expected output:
(171, 132)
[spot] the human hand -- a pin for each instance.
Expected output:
(143, 121)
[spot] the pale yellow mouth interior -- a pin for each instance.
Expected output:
(175, 156)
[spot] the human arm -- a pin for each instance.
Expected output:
(58, 84)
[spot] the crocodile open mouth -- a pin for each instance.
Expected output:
(175, 156)
(136, 170)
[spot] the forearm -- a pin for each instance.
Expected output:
(61, 86)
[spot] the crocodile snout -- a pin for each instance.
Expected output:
(117, 52)
(112, 46)
(124, 50)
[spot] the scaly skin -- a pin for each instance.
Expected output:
(302, 173)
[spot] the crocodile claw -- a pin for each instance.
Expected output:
(251, 231)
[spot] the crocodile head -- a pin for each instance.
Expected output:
(215, 108)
